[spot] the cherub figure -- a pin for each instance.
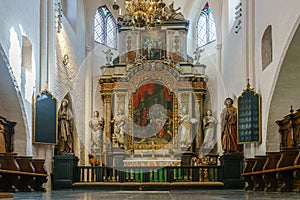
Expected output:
(197, 53)
(108, 55)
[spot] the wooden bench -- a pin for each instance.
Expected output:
(271, 183)
(297, 174)
(38, 165)
(258, 182)
(249, 163)
(280, 171)
(285, 177)
(21, 173)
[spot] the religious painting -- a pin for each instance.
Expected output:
(152, 115)
(153, 44)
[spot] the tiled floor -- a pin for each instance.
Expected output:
(152, 195)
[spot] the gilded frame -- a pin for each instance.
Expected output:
(46, 118)
(249, 120)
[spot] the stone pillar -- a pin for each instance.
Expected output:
(199, 138)
(107, 97)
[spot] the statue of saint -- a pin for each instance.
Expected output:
(209, 123)
(185, 128)
(65, 128)
(97, 125)
(229, 127)
(120, 129)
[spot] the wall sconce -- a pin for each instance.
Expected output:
(65, 60)
(58, 16)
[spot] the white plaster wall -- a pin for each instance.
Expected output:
(21, 17)
(237, 53)
(283, 17)
(72, 78)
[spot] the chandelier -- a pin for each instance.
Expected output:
(142, 13)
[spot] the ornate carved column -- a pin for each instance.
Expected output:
(107, 97)
(200, 96)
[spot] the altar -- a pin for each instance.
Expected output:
(153, 96)
(155, 162)
(152, 158)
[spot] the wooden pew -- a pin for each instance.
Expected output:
(8, 181)
(271, 183)
(25, 182)
(285, 177)
(249, 163)
(21, 173)
(38, 165)
(296, 174)
(258, 182)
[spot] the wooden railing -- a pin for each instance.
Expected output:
(149, 174)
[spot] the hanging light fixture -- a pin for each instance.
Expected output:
(142, 13)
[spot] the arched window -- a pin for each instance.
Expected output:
(266, 48)
(26, 53)
(206, 28)
(105, 28)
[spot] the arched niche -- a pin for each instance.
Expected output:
(11, 106)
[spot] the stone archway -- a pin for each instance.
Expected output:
(11, 106)
(286, 92)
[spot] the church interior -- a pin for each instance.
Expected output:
(149, 94)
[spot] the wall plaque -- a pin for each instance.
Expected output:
(249, 116)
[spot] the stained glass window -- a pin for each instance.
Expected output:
(105, 28)
(206, 28)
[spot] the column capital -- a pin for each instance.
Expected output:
(106, 97)
(199, 96)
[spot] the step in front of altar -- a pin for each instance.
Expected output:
(149, 186)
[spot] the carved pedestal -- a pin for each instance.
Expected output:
(232, 170)
(65, 171)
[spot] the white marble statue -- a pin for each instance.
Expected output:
(209, 123)
(108, 55)
(197, 54)
(97, 125)
(185, 128)
(120, 129)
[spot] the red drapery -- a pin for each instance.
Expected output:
(148, 88)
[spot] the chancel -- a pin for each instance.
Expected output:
(149, 94)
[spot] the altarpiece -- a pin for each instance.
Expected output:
(152, 95)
